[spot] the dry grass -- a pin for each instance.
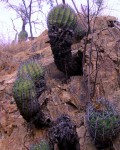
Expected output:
(11, 55)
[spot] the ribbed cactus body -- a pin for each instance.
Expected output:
(22, 36)
(25, 97)
(61, 23)
(28, 86)
(103, 123)
(62, 16)
(42, 145)
(32, 68)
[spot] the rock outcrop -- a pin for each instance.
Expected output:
(61, 96)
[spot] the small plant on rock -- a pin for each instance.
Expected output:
(103, 122)
(42, 145)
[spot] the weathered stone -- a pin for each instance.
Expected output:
(82, 141)
(81, 131)
(3, 119)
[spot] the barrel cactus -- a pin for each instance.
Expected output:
(63, 133)
(42, 145)
(32, 68)
(103, 122)
(22, 36)
(61, 16)
(61, 23)
(24, 93)
(25, 97)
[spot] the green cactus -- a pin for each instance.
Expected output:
(61, 22)
(103, 123)
(42, 145)
(62, 16)
(22, 36)
(25, 95)
(32, 68)
(80, 32)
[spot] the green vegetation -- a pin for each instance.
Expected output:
(42, 145)
(104, 122)
(32, 68)
(25, 95)
(22, 36)
(62, 16)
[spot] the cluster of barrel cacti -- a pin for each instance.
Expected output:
(62, 22)
(103, 122)
(27, 88)
(41, 145)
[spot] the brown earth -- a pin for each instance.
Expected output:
(62, 97)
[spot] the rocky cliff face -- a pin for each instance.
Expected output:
(61, 96)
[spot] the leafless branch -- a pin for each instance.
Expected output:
(78, 13)
(63, 1)
(14, 26)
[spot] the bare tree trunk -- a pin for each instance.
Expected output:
(28, 15)
(63, 1)
(30, 6)
(56, 2)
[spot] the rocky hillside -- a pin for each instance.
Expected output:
(61, 97)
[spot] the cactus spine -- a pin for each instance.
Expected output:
(103, 123)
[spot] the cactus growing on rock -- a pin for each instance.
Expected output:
(24, 93)
(103, 122)
(61, 16)
(25, 96)
(32, 68)
(61, 23)
(63, 133)
(22, 36)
